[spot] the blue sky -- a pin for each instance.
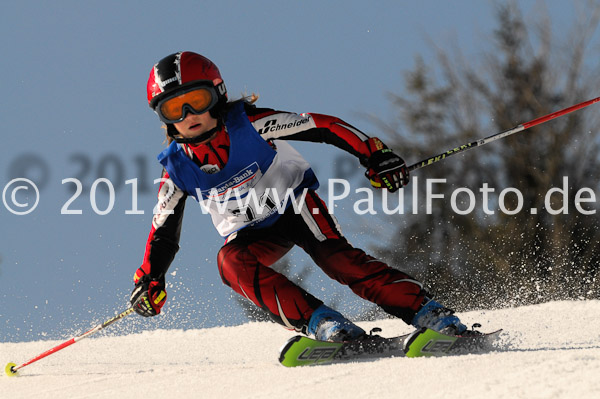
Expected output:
(74, 105)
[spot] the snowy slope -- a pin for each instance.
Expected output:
(551, 351)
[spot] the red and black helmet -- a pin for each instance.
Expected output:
(183, 71)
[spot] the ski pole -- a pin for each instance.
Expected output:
(11, 368)
(500, 135)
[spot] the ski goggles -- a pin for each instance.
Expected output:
(195, 100)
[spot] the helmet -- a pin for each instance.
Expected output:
(180, 71)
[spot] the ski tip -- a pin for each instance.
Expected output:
(10, 370)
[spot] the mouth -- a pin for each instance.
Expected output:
(195, 126)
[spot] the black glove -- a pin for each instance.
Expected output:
(148, 296)
(384, 168)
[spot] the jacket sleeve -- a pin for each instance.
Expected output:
(280, 125)
(163, 240)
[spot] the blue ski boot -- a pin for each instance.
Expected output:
(327, 324)
(436, 317)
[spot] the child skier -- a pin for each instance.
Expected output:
(226, 153)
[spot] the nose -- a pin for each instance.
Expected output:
(186, 111)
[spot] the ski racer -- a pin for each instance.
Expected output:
(226, 153)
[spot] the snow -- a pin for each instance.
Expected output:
(550, 350)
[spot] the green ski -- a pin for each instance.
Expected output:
(304, 351)
(426, 342)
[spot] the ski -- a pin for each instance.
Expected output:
(304, 351)
(426, 342)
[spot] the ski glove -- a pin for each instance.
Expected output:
(384, 168)
(148, 296)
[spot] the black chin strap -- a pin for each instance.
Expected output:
(198, 139)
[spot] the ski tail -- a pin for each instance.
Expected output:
(303, 351)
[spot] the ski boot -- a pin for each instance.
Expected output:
(439, 318)
(327, 324)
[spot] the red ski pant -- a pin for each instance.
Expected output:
(245, 259)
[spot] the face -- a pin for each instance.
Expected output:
(194, 125)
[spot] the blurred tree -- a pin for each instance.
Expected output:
(483, 259)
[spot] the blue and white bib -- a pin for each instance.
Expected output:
(256, 185)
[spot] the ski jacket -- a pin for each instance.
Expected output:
(196, 170)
